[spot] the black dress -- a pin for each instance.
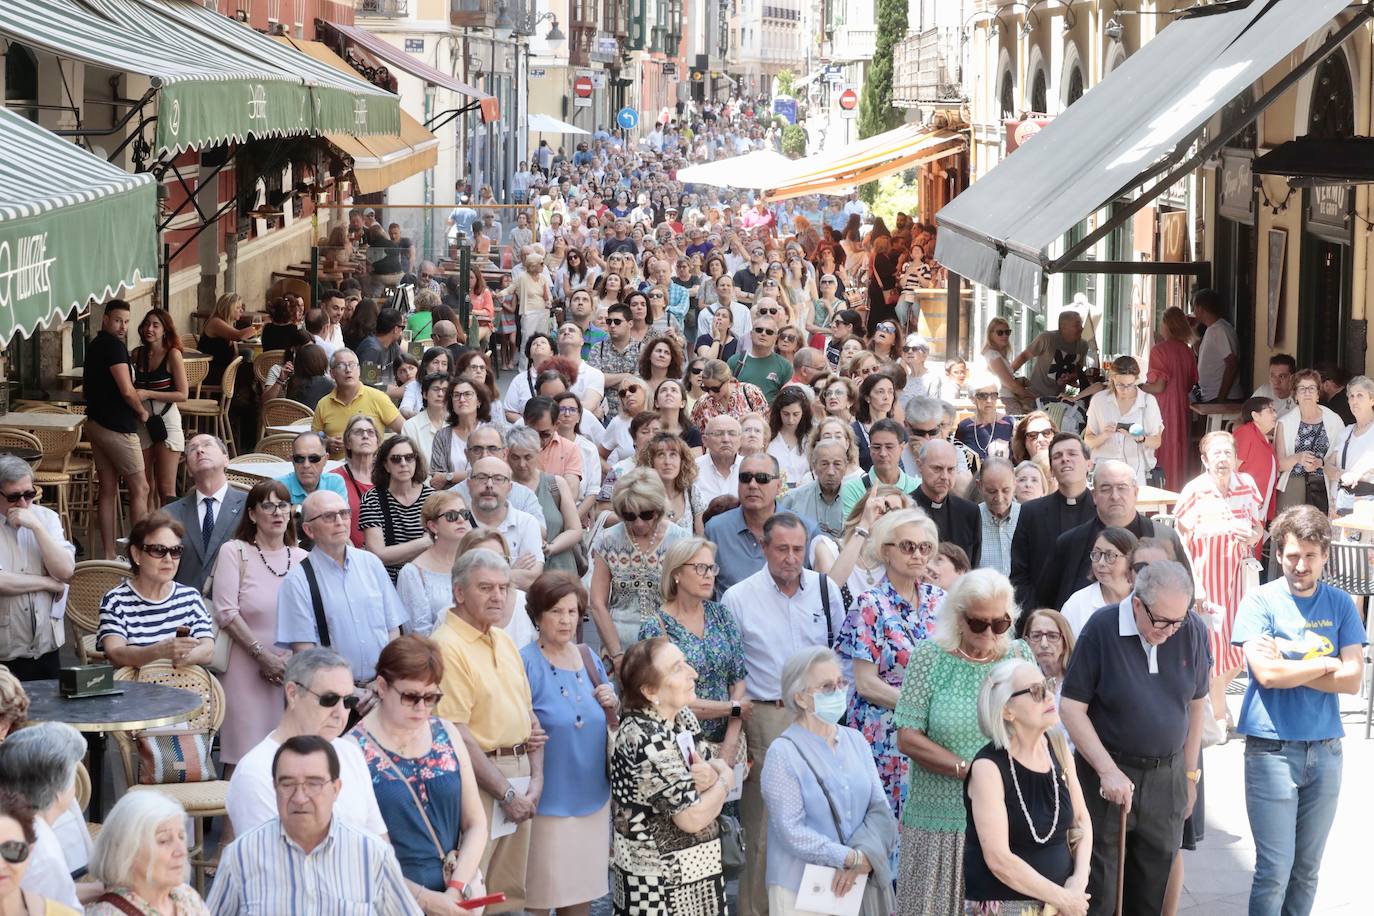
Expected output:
(883, 277)
(1050, 858)
(221, 352)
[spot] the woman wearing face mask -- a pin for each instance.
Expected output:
(826, 805)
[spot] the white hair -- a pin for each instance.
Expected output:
(39, 762)
(473, 560)
(797, 671)
(994, 696)
(130, 831)
(977, 586)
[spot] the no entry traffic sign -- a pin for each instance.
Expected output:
(849, 102)
(582, 90)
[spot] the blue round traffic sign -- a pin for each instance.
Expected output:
(627, 118)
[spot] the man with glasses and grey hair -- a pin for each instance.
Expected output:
(486, 441)
(487, 696)
(490, 484)
(210, 512)
(339, 596)
(350, 396)
(36, 563)
(319, 698)
(1134, 701)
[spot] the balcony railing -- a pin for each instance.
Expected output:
(474, 13)
(854, 44)
(383, 7)
(927, 69)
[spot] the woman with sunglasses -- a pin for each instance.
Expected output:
(1021, 783)
(987, 426)
(390, 515)
(692, 380)
(996, 358)
(17, 840)
(1124, 422)
(881, 632)
(937, 722)
(789, 342)
(578, 274)
(248, 575)
(1032, 435)
(1110, 574)
(425, 584)
(141, 618)
(416, 758)
(883, 344)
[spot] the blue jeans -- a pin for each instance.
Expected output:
(1291, 791)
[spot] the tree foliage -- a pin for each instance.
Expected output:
(783, 82)
(876, 112)
(793, 141)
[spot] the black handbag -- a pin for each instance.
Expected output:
(157, 427)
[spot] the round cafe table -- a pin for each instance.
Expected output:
(137, 707)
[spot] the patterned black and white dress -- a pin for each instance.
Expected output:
(656, 868)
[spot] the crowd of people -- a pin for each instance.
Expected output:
(731, 581)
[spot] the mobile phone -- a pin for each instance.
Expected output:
(478, 902)
(183, 632)
(1124, 427)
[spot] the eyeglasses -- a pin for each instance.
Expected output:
(161, 551)
(766, 332)
(1049, 636)
(483, 479)
(1306, 389)
(1040, 434)
(275, 508)
(568, 410)
(312, 787)
(705, 570)
(1168, 624)
(648, 515)
(329, 699)
(912, 548)
(15, 852)
(21, 495)
(464, 395)
(338, 515)
(481, 451)
(831, 687)
(403, 458)
(411, 698)
(759, 477)
(977, 625)
(1104, 556)
(346, 367)
(302, 459)
(1038, 691)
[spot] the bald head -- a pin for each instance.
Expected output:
(325, 518)
(1114, 492)
(938, 463)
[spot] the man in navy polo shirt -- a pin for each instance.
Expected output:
(1303, 643)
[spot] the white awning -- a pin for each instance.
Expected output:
(548, 124)
(758, 169)
(998, 232)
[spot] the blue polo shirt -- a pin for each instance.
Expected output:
(1304, 628)
(333, 483)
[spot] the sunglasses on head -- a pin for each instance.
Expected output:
(302, 459)
(15, 852)
(160, 551)
(976, 625)
(22, 494)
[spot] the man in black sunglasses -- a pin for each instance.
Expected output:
(38, 561)
(209, 512)
(739, 533)
(320, 700)
(1134, 701)
(309, 456)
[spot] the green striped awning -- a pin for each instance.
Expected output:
(218, 79)
(72, 227)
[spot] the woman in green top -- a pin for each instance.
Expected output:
(937, 722)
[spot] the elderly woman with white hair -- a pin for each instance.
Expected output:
(882, 631)
(826, 804)
(141, 857)
(1023, 784)
(39, 763)
(937, 722)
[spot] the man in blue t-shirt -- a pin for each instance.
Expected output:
(1303, 643)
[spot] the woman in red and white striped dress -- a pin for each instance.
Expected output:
(1219, 521)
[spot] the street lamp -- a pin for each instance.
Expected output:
(555, 34)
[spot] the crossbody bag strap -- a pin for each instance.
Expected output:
(825, 609)
(834, 809)
(388, 530)
(120, 902)
(317, 603)
(596, 679)
(390, 764)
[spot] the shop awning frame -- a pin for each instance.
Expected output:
(1000, 261)
(867, 160)
(1311, 161)
(72, 227)
(396, 57)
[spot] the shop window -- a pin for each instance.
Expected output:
(21, 81)
(1039, 97)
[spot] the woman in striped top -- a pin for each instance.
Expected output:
(150, 616)
(390, 518)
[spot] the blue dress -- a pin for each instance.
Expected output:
(437, 781)
(575, 780)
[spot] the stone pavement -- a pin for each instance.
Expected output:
(1217, 875)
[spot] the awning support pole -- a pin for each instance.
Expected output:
(954, 292)
(231, 204)
(192, 195)
(1124, 213)
(134, 109)
(1200, 269)
(443, 117)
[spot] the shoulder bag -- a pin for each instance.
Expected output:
(449, 858)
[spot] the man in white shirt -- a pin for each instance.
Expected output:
(490, 485)
(1218, 359)
(36, 563)
(1279, 388)
(332, 303)
(780, 610)
(486, 441)
(319, 696)
(718, 469)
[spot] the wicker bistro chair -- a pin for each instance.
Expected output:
(190, 342)
(1350, 567)
(18, 438)
(213, 413)
(263, 362)
(245, 482)
(202, 800)
(277, 444)
(90, 583)
(284, 412)
(55, 469)
(197, 367)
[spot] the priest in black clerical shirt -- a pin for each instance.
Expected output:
(1115, 490)
(955, 518)
(1043, 520)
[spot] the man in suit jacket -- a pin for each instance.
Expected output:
(1114, 495)
(209, 513)
(1043, 520)
(955, 518)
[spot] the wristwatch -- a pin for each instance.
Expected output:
(509, 796)
(861, 532)
(736, 711)
(464, 890)
(1195, 775)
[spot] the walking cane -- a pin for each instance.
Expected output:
(1121, 865)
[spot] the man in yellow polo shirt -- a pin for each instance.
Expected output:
(349, 397)
(487, 696)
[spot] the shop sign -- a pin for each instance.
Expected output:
(604, 48)
(1237, 200)
(1328, 208)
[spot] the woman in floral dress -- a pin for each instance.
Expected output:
(882, 631)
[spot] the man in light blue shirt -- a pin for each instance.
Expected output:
(360, 608)
(309, 454)
(999, 512)
(738, 534)
(306, 860)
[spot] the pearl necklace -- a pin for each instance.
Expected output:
(1054, 780)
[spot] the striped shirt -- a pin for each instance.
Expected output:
(997, 535)
(351, 871)
(141, 622)
(406, 523)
